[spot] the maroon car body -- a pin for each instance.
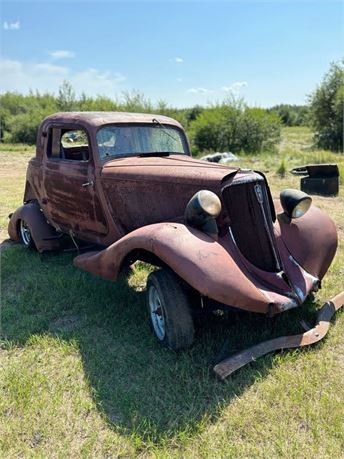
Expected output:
(133, 205)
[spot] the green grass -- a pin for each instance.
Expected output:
(82, 376)
(17, 147)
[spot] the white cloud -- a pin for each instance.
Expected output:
(178, 60)
(235, 87)
(12, 25)
(179, 80)
(62, 54)
(45, 77)
(49, 69)
(199, 90)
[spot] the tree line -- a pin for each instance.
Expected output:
(227, 126)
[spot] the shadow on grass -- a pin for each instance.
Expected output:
(141, 388)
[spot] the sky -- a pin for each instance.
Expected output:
(182, 52)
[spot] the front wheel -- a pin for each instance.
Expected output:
(169, 311)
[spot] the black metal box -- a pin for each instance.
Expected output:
(322, 179)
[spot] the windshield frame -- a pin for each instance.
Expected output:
(152, 125)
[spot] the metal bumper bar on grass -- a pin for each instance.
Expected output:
(315, 334)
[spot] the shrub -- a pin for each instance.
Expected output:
(21, 115)
(291, 115)
(326, 106)
(66, 100)
(235, 128)
(23, 128)
(229, 126)
(282, 168)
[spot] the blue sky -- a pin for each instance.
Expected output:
(185, 53)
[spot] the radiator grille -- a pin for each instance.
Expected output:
(248, 207)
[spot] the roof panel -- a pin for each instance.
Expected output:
(96, 119)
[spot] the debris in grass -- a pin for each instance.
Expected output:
(36, 439)
(220, 157)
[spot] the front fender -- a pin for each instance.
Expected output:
(312, 240)
(202, 262)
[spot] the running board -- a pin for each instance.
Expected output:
(315, 334)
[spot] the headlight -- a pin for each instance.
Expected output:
(201, 211)
(295, 203)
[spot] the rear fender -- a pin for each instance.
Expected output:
(202, 262)
(42, 233)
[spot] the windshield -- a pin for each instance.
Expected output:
(139, 140)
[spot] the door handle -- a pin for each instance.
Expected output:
(91, 183)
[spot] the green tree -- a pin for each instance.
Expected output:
(326, 106)
(234, 127)
(66, 100)
(291, 115)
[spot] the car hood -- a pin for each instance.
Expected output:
(168, 169)
(141, 191)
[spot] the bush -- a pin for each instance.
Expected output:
(292, 115)
(230, 126)
(23, 128)
(326, 106)
(235, 127)
(21, 115)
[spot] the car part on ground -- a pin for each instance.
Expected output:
(315, 334)
(321, 179)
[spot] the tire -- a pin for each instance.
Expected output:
(168, 307)
(25, 234)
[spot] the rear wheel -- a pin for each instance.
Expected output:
(169, 311)
(25, 234)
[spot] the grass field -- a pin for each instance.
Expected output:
(82, 376)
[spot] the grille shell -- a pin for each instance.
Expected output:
(247, 203)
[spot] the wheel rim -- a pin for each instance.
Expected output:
(25, 232)
(156, 312)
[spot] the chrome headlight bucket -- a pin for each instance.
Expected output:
(202, 210)
(295, 203)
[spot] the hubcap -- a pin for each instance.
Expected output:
(156, 312)
(25, 232)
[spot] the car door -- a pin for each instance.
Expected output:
(70, 200)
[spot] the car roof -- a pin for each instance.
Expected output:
(96, 119)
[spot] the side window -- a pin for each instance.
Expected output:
(70, 144)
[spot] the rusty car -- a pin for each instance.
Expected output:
(127, 183)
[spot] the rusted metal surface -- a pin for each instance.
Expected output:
(312, 240)
(315, 334)
(141, 191)
(215, 269)
(42, 233)
(195, 257)
(133, 204)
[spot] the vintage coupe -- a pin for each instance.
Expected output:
(127, 183)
